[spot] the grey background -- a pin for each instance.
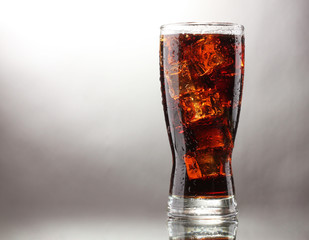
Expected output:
(82, 126)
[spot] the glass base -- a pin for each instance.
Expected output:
(202, 208)
(202, 229)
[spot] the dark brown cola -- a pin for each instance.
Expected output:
(201, 81)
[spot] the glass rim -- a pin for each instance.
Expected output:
(203, 28)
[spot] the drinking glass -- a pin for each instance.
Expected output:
(201, 74)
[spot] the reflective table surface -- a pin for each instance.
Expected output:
(253, 223)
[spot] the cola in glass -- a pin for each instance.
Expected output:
(201, 78)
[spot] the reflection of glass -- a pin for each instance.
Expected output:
(202, 68)
(183, 229)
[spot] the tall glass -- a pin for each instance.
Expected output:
(201, 74)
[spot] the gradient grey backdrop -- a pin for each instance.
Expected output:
(82, 126)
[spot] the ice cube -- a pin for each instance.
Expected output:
(200, 104)
(201, 164)
(207, 163)
(211, 137)
(178, 78)
(207, 55)
(193, 169)
(171, 50)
